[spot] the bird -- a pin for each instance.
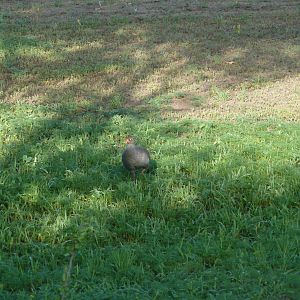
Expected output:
(135, 157)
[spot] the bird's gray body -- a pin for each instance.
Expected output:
(135, 157)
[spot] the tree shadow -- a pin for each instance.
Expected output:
(64, 190)
(150, 58)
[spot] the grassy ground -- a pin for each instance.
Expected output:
(211, 88)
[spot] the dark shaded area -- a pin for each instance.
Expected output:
(142, 237)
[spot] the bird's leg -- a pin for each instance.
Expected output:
(132, 172)
(144, 170)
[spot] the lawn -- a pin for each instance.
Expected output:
(211, 88)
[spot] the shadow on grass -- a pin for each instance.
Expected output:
(125, 61)
(208, 205)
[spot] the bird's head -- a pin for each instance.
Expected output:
(129, 140)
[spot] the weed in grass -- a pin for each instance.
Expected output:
(258, 81)
(217, 59)
(161, 101)
(117, 101)
(58, 3)
(219, 94)
(198, 101)
(179, 94)
(243, 92)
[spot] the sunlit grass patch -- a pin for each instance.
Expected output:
(219, 191)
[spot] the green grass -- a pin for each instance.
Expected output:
(217, 216)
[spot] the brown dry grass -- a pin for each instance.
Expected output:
(240, 59)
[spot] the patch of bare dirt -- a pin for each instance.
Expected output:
(181, 104)
(280, 99)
